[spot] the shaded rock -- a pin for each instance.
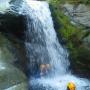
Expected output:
(79, 14)
(5, 54)
(9, 52)
(12, 25)
(11, 22)
(9, 75)
(21, 86)
(72, 24)
(13, 52)
(87, 41)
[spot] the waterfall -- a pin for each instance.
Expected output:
(4, 5)
(42, 47)
(41, 40)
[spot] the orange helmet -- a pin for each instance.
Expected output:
(71, 86)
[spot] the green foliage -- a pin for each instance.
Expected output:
(57, 2)
(63, 25)
(80, 55)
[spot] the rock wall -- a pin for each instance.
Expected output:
(72, 25)
(13, 61)
(10, 73)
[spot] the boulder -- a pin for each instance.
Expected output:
(79, 14)
(12, 51)
(12, 25)
(9, 76)
(87, 41)
(21, 86)
(72, 23)
(10, 73)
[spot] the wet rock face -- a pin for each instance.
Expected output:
(87, 41)
(21, 86)
(79, 14)
(75, 31)
(10, 74)
(12, 26)
(12, 52)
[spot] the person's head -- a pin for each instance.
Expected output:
(44, 69)
(71, 86)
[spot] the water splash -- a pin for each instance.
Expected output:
(4, 5)
(60, 83)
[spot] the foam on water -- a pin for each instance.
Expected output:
(60, 83)
(4, 5)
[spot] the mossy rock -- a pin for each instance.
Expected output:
(9, 76)
(13, 52)
(21, 86)
(76, 39)
(87, 41)
(5, 54)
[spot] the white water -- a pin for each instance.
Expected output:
(44, 41)
(4, 5)
(43, 47)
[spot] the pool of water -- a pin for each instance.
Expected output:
(59, 83)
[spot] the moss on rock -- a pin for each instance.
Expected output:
(10, 75)
(73, 36)
(21, 86)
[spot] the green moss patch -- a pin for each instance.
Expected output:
(73, 36)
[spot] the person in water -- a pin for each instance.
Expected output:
(44, 69)
(71, 86)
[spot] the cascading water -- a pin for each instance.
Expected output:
(41, 42)
(4, 5)
(43, 47)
